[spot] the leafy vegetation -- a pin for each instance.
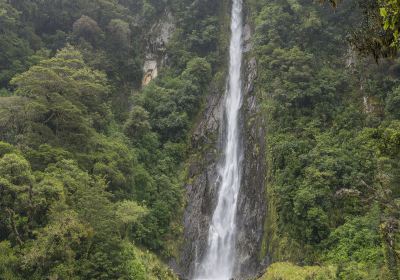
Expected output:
(378, 30)
(92, 165)
(90, 174)
(287, 271)
(331, 136)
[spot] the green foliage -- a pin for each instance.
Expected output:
(55, 250)
(66, 97)
(14, 49)
(377, 33)
(113, 161)
(138, 123)
(145, 266)
(65, 224)
(6, 148)
(287, 271)
(355, 247)
(8, 261)
(174, 101)
(332, 143)
(389, 10)
(158, 126)
(88, 29)
(129, 212)
(393, 102)
(86, 170)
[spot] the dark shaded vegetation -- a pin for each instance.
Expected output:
(377, 31)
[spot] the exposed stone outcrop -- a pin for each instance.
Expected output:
(202, 183)
(251, 200)
(159, 35)
(248, 44)
(150, 71)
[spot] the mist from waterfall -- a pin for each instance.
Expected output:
(219, 259)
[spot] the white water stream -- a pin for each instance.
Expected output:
(218, 262)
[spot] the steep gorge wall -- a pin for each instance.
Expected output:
(252, 197)
(202, 184)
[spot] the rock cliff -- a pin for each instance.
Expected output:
(202, 183)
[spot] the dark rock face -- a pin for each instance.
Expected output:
(252, 197)
(202, 186)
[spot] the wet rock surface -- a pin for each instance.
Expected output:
(202, 186)
(252, 197)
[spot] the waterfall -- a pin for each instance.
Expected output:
(218, 261)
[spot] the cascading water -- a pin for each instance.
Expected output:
(219, 258)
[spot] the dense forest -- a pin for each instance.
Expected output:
(332, 140)
(90, 171)
(93, 161)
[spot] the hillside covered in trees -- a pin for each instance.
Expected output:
(91, 170)
(95, 155)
